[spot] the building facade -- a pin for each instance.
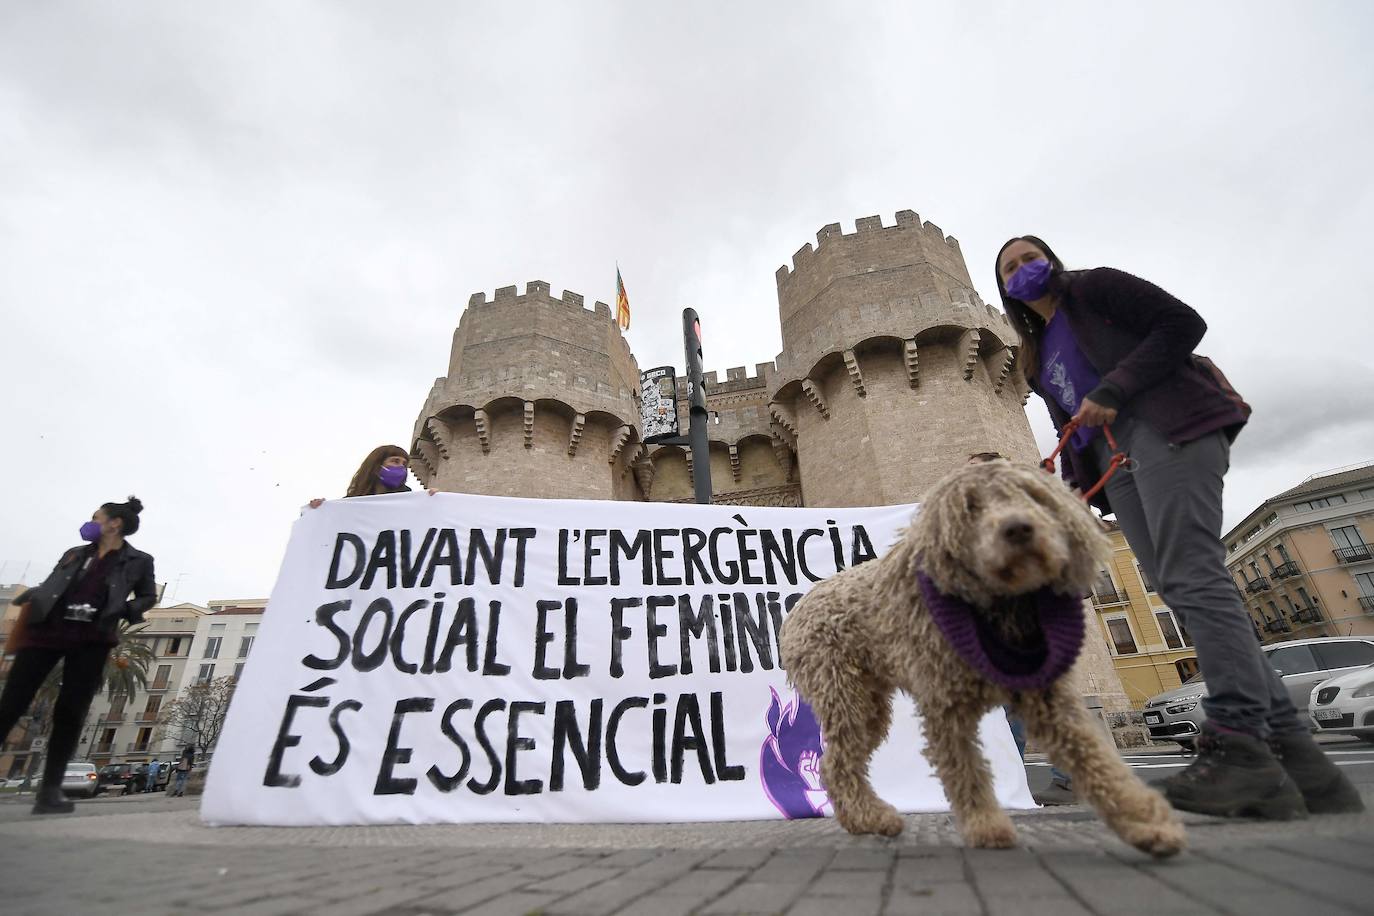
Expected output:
(193, 645)
(1149, 645)
(1303, 562)
(893, 371)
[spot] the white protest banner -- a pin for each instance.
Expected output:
(471, 659)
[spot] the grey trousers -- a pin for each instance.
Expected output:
(1169, 508)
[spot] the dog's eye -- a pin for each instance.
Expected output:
(971, 503)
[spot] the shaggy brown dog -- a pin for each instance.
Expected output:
(975, 607)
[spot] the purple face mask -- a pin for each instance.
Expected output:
(1030, 281)
(90, 531)
(392, 476)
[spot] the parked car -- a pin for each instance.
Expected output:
(121, 777)
(1177, 715)
(80, 779)
(1344, 705)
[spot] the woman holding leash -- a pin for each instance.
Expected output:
(1104, 347)
(73, 618)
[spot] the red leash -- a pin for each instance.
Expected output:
(1119, 458)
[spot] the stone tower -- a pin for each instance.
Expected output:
(893, 370)
(540, 400)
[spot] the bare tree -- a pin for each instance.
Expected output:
(197, 716)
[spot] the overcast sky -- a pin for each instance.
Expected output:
(235, 238)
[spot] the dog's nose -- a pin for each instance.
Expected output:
(1018, 532)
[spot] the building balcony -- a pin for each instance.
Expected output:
(1286, 570)
(1308, 614)
(1353, 554)
(147, 718)
(160, 685)
(1258, 584)
(1107, 596)
(139, 747)
(106, 748)
(112, 718)
(1367, 604)
(1278, 625)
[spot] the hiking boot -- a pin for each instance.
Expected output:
(1055, 794)
(50, 800)
(1235, 775)
(1325, 789)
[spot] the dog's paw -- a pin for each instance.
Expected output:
(880, 818)
(1159, 838)
(990, 831)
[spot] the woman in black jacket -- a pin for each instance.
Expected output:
(1103, 347)
(73, 618)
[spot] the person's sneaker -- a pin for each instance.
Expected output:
(1235, 775)
(52, 801)
(1055, 794)
(1325, 789)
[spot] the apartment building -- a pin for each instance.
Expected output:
(1150, 647)
(121, 729)
(193, 645)
(16, 758)
(1302, 560)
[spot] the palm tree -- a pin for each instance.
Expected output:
(126, 668)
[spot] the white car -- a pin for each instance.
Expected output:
(1344, 705)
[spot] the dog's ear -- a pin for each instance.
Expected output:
(941, 533)
(1089, 549)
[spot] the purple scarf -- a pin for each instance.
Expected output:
(977, 643)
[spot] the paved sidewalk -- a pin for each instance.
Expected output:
(153, 857)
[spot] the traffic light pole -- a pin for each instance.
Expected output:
(699, 418)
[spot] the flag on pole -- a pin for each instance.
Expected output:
(622, 302)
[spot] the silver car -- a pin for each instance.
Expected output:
(1177, 715)
(1344, 705)
(80, 779)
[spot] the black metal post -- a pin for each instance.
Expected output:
(699, 418)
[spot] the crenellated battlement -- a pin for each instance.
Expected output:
(540, 289)
(908, 227)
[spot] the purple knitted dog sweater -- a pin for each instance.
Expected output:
(968, 633)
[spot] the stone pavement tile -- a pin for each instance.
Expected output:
(556, 865)
(941, 866)
(792, 867)
(1217, 887)
(1319, 880)
(470, 895)
(277, 906)
(1035, 906)
(606, 897)
(434, 883)
(661, 905)
(1113, 887)
(668, 865)
(703, 884)
(738, 858)
(754, 897)
(523, 903)
(863, 859)
(1333, 851)
(851, 884)
(947, 899)
(628, 858)
(386, 900)
(570, 882)
(868, 906)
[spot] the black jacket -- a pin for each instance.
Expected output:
(132, 572)
(1140, 340)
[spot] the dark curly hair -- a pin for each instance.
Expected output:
(127, 512)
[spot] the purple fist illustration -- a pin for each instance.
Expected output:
(790, 760)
